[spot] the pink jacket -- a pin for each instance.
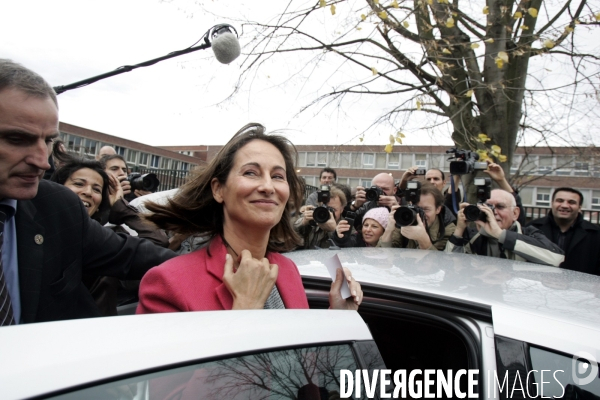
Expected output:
(194, 282)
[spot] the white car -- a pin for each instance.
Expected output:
(502, 329)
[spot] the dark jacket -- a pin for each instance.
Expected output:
(70, 243)
(583, 251)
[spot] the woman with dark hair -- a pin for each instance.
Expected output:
(242, 200)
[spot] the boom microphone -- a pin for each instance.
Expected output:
(225, 45)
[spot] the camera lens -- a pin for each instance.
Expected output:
(405, 216)
(372, 194)
(321, 215)
(473, 213)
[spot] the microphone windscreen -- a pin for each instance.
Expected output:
(226, 47)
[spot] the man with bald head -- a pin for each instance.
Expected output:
(105, 151)
(388, 199)
(501, 235)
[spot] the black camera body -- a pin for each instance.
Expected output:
(147, 182)
(373, 193)
(321, 213)
(465, 162)
(420, 171)
(484, 187)
(407, 215)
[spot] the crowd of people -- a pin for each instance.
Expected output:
(73, 246)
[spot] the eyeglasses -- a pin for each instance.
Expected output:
(498, 206)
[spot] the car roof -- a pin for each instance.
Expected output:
(41, 358)
(517, 293)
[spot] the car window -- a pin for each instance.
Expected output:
(303, 373)
(563, 376)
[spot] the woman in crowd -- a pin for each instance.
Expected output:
(374, 224)
(242, 200)
(101, 194)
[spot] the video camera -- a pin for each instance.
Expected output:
(472, 212)
(465, 162)
(321, 213)
(147, 182)
(407, 215)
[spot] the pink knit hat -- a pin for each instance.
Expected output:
(379, 214)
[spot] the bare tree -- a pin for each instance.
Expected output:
(465, 64)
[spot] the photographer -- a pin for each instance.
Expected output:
(382, 183)
(317, 235)
(437, 178)
(327, 177)
(501, 235)
(431, 234)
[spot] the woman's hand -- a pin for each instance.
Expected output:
(252, 283)
(335, 297)
(115, 191)
(342, 228)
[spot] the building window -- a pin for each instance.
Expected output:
(120, 150)
(185, 166)
(355, 160)
(132, 156)
(366, 183)
(564, 165)
(311, 159)
(74, 143)
(164, 163)
(154, 161)
(89, 146)
(544, 165)
(344, 160)
(174, 164)
(595, 200)
(353, 182)
(368, 160)
(334, 159)
(421, 160)
(380, 160)
(393, 161)
(302, 159)
(542, 197)
(321, 159)
(407, 161)
(582, 168)
(143, 158)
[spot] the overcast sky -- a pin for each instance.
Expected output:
(178, 101)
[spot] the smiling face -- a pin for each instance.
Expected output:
(28, 124)
(371, 231)
(256, 191)
(87, 184)
(566, 207)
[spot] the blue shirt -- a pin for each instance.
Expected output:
(10, 263)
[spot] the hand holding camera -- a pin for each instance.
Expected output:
(417, 232)
(115, 192)
(125, 185)
(343, 228)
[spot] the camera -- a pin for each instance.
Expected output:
(465, 162)
(321, 213)
(350, 217)
(407, 215)
(147, 182)
(373, 193)
(472, 212)
(420, 171)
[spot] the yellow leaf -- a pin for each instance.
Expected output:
(482, 154)
(405, 24)
(332, 8)
(496, 149)
(430, 2)
(486, 10)
(533, 12)
(524, 28)
(446, 51)
(450, 22)
(418, 105)
(376, 1)
(518, 15)
(495, 154)
(502, 158)
(399, 140)
(400, 134)
(440, 64)
(499, 62)
(363, 16)
(503, 56)
(383, 15)
(469, 93)
(474, 45)
(569, 29)
(360, 138)
(322, 3)
(577, 21)
(358, 28)
(482, 137)
(388, 148)
(392, 139)
(443, 1)
(597, 17)
(395, 4)
(490, 40)
(548, 43)
(374, 70)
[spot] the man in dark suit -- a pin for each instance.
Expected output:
(48, 238)
(565, 226)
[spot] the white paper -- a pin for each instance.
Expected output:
(332, 265)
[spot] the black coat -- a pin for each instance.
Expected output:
(583, 253)
(57, 241)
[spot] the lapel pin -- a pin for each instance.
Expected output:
(39, 239)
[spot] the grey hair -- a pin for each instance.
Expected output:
(13, 75)
(513, 202)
